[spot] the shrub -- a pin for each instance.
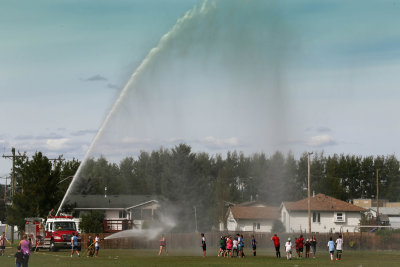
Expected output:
(92, 222)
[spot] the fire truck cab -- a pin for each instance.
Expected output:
(53, 234)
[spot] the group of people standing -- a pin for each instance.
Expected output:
(300, 244)
(233, 246)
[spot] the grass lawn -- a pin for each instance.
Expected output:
(139, 258)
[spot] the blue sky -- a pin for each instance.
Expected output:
(322, 74)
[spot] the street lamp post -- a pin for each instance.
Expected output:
(308, 193)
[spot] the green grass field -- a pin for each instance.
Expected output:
(149, 258)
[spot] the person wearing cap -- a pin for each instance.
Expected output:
(288, 248)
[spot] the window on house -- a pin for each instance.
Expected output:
(122, 214)
(256, 226)
(284, 218)
(339, 217)
(316, 217)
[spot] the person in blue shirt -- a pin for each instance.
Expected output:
(331, 247)
(74, 245)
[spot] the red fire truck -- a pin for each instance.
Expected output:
(53, 233)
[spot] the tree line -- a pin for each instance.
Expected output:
(210, 183)
(202, 182)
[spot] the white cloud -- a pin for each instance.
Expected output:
(56, 144)
(131, 140)
(213, 142)
(321, 140)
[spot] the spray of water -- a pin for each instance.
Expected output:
(214, 82)
(151, 233)
(203, 10)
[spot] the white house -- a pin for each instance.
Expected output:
(257, 218)
(121, 212)
(328, 214)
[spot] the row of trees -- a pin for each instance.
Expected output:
(197, 181)
(208, 183)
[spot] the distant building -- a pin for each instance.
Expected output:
(328, 214)
(368, 203)
(388, 216)
(121, 212)
(252, 216)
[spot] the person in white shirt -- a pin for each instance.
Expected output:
(288, 248)
(96, 245)
(339, 248)
(3, 240)
(235, 247)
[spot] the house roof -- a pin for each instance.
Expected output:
(240, 212)
(110, 202)
(321, 202)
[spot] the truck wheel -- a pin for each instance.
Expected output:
(52, 246)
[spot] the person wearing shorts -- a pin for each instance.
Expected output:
(288, 249)
(163, 245)
(203, 244)
(339, 248)
(235, 247)
(229, 245)
(96, 245)
(3, 240)
(300, 242)
(74, 245)
(331, 248)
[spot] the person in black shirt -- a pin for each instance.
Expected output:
(19, 257)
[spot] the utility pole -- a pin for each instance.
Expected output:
(308, 193)
(60, 159)
(5, 192)
(195, 216)
(377, 196)
(13, 182)
(5, 189)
